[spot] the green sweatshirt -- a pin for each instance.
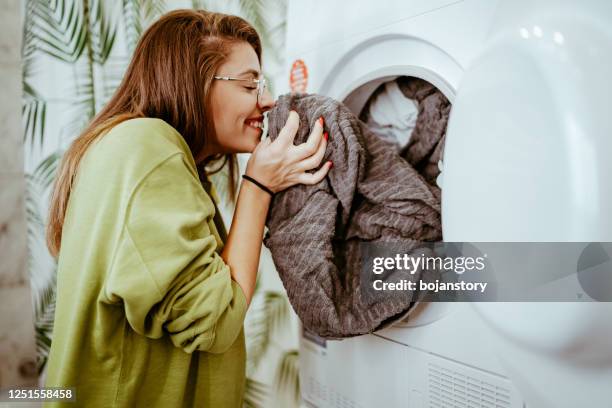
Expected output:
(147, 314)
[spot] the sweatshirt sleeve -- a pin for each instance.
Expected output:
(166, 270)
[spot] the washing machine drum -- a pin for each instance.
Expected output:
(414, 114)
(319, 235)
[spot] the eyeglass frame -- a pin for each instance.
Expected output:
(261, 83)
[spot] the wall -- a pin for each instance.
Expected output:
(17, 344)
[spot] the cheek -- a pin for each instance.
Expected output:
(244, 107)
(235, 110)
(224, 112)
(241, 110)
(230, 111)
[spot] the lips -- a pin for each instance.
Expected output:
(255, 122)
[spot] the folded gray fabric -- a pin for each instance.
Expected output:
(314, 232)
(426, 144)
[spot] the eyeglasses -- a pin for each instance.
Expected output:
(260, 83)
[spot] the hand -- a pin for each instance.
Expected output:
(279, 164)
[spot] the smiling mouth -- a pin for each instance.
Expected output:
(256, 123)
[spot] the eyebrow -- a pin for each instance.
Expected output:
(250, 71)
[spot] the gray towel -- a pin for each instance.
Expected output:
(426, 144)
(314, 232)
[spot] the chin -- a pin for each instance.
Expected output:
(247, 145)
(252, 146)
(252, 143)
(245, 148)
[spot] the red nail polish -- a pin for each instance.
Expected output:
(325, 135)
(331, 164)
(321, 121)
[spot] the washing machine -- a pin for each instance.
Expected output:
(525, 160)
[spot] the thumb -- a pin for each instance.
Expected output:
(288, 132)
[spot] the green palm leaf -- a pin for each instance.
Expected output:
(34, 221)
(59, 28)
(33, 116)
(44, 316)
(103, 29)
(287, 380)
(28, 45)
(138, 15)
(254, 12)
(37, 184)
(255, 395)
(265, 319)
(200, 4)
(132, 21)
(100, 24)
(151, 11)
(112, 74)
(34, 108)
(43, 299)
(46, 170)
(272, 38)
(82, 98)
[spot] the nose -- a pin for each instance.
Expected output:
(266, 102)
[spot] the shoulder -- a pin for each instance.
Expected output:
(145, 136)
(128, 152)
(136, 146)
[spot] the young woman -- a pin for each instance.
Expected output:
(152, 294)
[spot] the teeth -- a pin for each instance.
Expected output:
(255, 123)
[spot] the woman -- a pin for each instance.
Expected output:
(151, 294)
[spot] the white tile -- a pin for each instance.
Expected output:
(13, 231)
(11, 134)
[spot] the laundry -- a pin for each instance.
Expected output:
(391, 115)
(314, 232)
(425, 149)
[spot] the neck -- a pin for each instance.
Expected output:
(207, 152)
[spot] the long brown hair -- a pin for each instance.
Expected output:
(170, 78)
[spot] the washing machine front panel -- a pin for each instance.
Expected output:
(442, 37)
(371, 371)
(334, 22)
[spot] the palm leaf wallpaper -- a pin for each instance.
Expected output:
(74, 53)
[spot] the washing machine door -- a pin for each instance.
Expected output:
(527, 158)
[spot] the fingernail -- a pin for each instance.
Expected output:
(331, 164)
(325, 135)
(321, 121)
